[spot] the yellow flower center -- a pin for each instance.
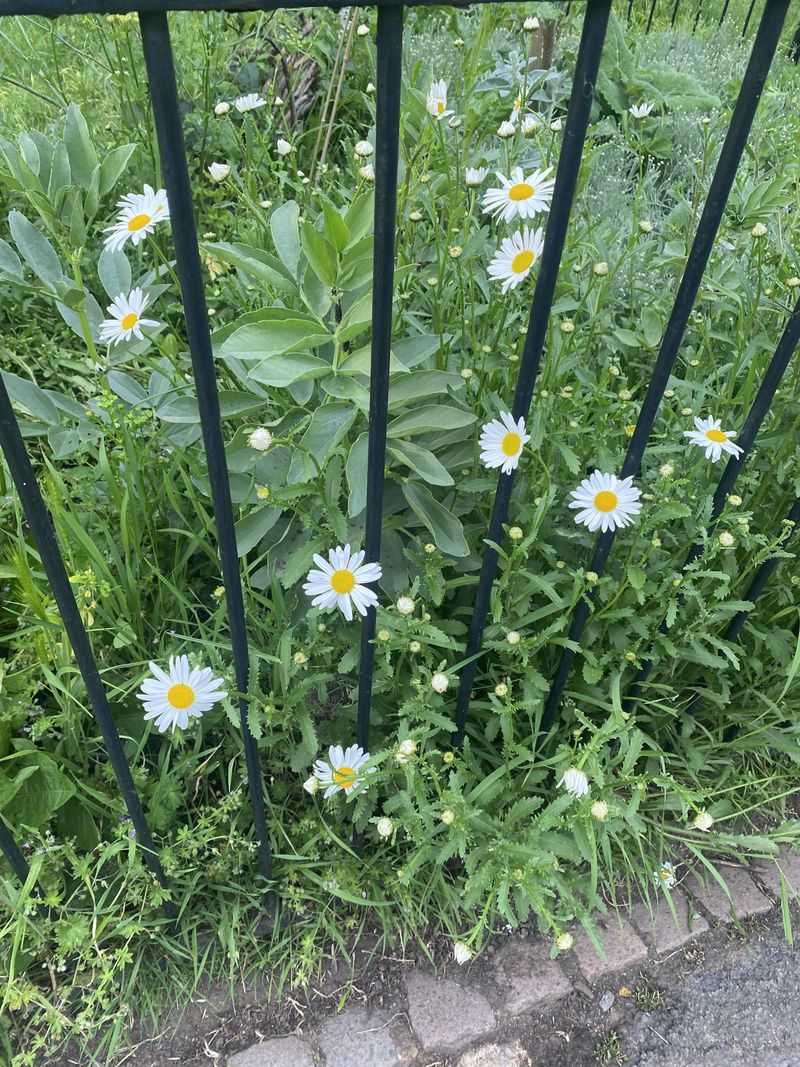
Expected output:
(180, 696)
(511, 444)
(716, 435)
(342, 581)
(605, 500)
(439, 107)
(344, 777)
(521, 191)
(138, 222)
(522, 260)
(127, 322)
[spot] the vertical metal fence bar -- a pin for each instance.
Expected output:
(650, 16)
(697, 14)
(163, 94)
(750, 14)
(387, 151)
(13, 853)
(724, 12)
(758, 66)
(569, 161)
(675, 7)
(629, 12)
(41, 527)
(778, 365)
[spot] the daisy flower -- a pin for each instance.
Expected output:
(515, 257)
(341, 582)
(340, 770)
(437, 100)
(666, 875)
(218, 172)
(519, 196)
(641, 111)
(606, 502)
(249, 102)
(126, 318)
(139, 214)
(506, 129)
(173, 697)
(501, 442)
(575, 782)
(475, 175)
(708, 435)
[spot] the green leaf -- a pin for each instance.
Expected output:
(253, 263)
(445, 528)
(637, 577)
(253, 527)
(414, 350)
(30, 397)
(336, 229)
(298, 562)
(359, 216)
(82, 156)
(279, 330)
(112, 167)
(356, 319)
(320, 253)
(651, 327)
(114, 272)
(284, 230)
(432, 417)
(356, 471)
(422, 383)
(10, 263)
(283, 371)
(126, 387)
(36, 250)
(627, 338)
(328, 425)
(422, 462)
(60, 174)
(42, 793)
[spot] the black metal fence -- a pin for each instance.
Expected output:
(161, 73)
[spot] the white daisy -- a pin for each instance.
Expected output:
(520, 196)
(515, 257)
(341, 582)
(575, 782)
(474, 176)
(126, 317)
(641, 111)
(437, 100)
(283, 146)
(530, 124)
(665, 875)
(506, 129)
(182, 693)
(462, 953)
(340, 770)
(249, 102)
(139, 214)
(363, 149)
(501, 442)
(606, 502)
(708, 435)
(218, 172)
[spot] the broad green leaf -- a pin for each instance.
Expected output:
(41, 794)
(114, 272)
(283, 371)
(10, 263)
(112, 167)
(126, 387)
(232, 402)
(82, 156)
(627, 337)
(414, 350)
(422, 383)
(285, 234)
(428, 418)
(356, 471)
(336, 229)
(252, 528)
(280, 331)
(651, 327)
(356, 319)
(445, 528)
(320, 253)
(30, 397)
(60, 174)
(254, 263)
(36, 250)
(359, 216)
(421, 461)
(328, 425)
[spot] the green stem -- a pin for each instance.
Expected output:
(82, 316)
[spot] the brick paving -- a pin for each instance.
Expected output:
(462, 1019)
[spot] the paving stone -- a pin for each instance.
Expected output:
(358, 1037)
(513, 1055)
(660, 927)
(623, 946)
(444, 1015)
(278, 1052)
(789, 863)
(747, 898)
(528, 978)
